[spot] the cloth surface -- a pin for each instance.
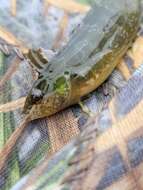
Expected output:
(46, 136)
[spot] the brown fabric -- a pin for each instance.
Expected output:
(47, 136)
(62, 128)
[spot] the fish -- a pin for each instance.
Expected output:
(85, 62)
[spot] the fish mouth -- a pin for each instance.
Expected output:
(44, 107)
(27, 107)
(32, 100)
(39, 109)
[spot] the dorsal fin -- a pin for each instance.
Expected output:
(39, 58)
(36, 59)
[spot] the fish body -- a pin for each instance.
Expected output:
(87, 60)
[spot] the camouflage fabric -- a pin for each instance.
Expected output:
(111, 160)
(30, 166)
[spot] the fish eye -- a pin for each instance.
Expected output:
(74, 75)
(66, 72)
(36, 95)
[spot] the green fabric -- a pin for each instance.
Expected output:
(6, 129)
